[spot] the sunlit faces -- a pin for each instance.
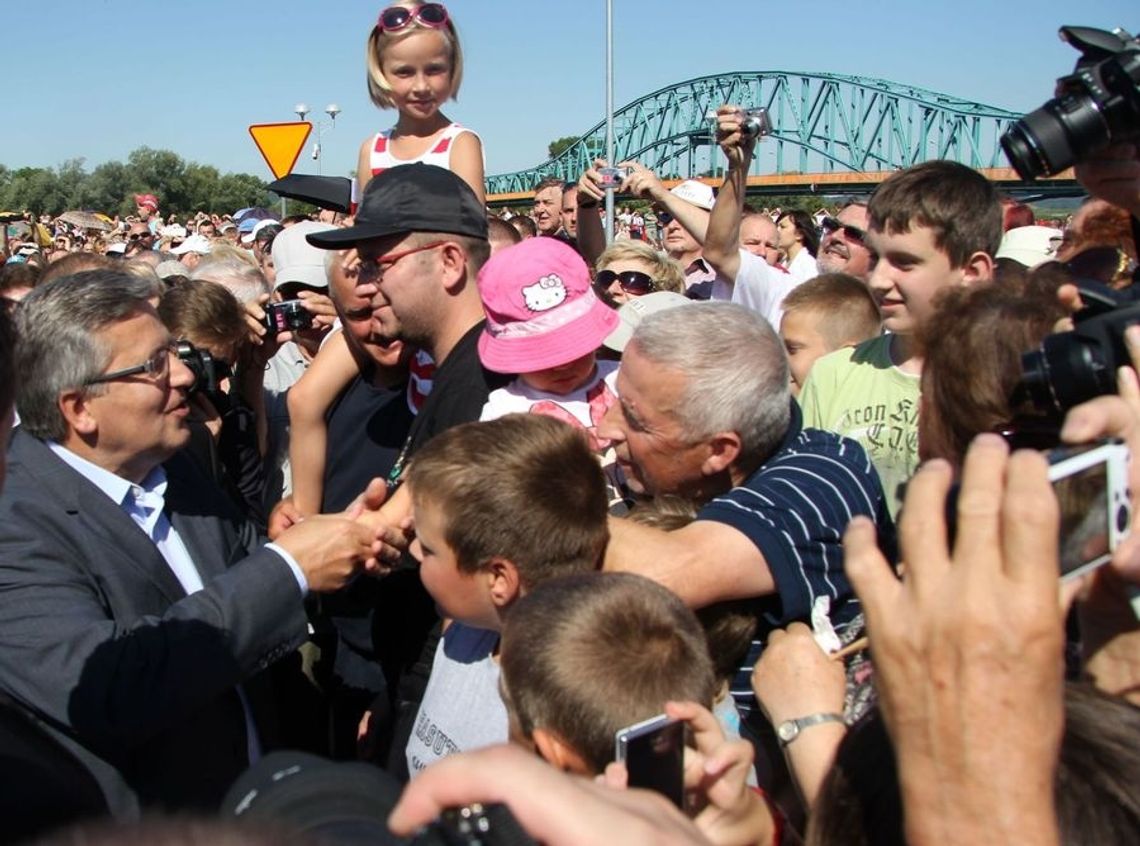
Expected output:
(910, 273)
(614, 294)
(840, 253)
(458, 595)
(758, 236)
(138, 421)
(569, 214)
(786, 234)
(803, 343)
(417, 68)
(679, 244)
(651, 448)
(548, 210)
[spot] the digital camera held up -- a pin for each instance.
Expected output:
(756, 123)
(208, 374)
(288, 316)
(1098, 104)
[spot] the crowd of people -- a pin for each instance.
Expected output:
(444, 501)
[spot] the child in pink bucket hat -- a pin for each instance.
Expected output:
(544, 323)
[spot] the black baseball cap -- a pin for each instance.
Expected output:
(410, 198)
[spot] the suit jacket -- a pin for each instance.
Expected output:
(100, 643)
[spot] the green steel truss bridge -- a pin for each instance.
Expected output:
(821, 124)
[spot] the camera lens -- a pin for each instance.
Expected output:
(1053, 137)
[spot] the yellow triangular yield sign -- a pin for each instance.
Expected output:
(280, 144)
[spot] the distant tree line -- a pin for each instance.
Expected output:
(182, 187)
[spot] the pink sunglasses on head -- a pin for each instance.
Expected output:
(395, 18)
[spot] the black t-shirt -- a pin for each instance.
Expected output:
(459, 390)
(367, 425)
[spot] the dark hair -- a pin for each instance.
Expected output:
(204, 313)
(956, 202)
(972, 346)
(18, 275)
(521, 222)
(805, 226)
(585, 655)
(8, 372)
(524, 487)
(1098, 769)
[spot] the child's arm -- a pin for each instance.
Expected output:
(466, 162)
(309, 400)
(364, 165)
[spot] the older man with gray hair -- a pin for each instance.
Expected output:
(705, 413)
(137, 608)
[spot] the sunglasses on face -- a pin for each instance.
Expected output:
(851, 233)
(138, 236)
(395, 18)
(631, 281)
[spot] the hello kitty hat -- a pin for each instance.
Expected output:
(541, 309)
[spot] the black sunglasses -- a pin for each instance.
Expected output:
(632, 281)
(852, 233)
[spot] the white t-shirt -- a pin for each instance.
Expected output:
(461, 709)
(762, 288)
(803, 267)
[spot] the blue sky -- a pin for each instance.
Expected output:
(98, 78)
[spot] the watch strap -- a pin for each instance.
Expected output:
(789, 730)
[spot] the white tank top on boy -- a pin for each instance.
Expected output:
(461, 709)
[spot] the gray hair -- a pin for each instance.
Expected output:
(245, 281)
(735, 368)
(57, 348)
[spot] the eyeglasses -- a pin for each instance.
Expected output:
(851, 233)
(395, 18)
(156, 367)
(382, 264)
(632, 281)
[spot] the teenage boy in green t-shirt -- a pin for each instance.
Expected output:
(934, 226)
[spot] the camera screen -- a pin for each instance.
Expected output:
(1082, 498)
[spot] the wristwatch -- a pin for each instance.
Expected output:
(789, 730)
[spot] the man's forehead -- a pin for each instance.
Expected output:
(854, 215)
(376, 247)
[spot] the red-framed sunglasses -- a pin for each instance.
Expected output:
(395, 18)
(631, 281)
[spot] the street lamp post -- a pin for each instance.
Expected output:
(332, 110)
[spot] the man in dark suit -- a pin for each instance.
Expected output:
(137, 608)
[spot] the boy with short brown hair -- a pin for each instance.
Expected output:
(823, 315)
(499, 507)
(933, 226)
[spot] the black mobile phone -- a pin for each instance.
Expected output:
(654, 755)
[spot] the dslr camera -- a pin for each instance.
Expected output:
(208, 374)
(1073, 367)
(1098, 104)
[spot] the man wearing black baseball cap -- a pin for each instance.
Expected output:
(421, 235)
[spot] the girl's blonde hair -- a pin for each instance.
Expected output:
(378, 87)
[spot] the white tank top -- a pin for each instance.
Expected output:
(438, 154)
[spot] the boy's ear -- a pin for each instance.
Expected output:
(503, 580)
(723, 449)
(978, 268)
(558, 753)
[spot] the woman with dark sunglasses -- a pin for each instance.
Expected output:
(629, 269)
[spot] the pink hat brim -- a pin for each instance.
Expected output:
(551, 349)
